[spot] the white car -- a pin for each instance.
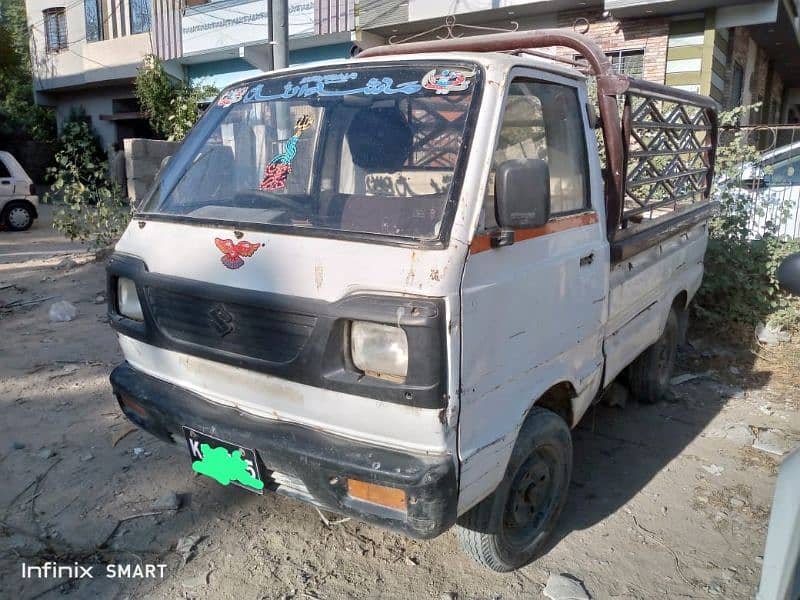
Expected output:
(774, 183)
(18, 200)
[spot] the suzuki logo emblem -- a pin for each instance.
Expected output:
(221, 319)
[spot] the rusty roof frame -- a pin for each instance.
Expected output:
(610, 85)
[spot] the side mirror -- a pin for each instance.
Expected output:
(522, 193)
(788, 273)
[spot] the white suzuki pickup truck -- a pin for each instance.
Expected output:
(390, 286)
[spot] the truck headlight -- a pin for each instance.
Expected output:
(379, 350)
(128, 300)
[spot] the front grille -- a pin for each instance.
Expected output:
(254, 331)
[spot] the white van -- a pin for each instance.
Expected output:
(390, 286)
(18, 200)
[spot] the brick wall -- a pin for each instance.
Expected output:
(776, 99)
(650, 35)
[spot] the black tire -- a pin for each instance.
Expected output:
(649, 374)
(509, 529)
(18, 216)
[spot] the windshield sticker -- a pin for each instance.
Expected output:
(232, 253)
(277, 170)
(232, 97)
(318, 85)
(444, 81)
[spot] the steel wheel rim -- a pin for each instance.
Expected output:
(19, 217)
(533, 498)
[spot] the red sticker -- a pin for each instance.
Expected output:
(232, 253)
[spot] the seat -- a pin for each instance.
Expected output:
(413, 216)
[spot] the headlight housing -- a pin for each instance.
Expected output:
(379, 350)
(128, 304)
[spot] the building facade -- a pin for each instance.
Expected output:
(85, 56)
(86, 53)
(740, 52)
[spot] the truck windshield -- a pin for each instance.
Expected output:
(371, 149)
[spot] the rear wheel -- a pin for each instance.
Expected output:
(650, 373)
(18, 217)
(509, 528)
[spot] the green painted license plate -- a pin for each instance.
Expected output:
(224, 461)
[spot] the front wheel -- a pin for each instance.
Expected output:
(509, 528)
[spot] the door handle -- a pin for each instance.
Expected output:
(587, 260)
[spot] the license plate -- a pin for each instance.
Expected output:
(225, 462)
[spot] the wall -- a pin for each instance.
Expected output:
(758, 72)
(331, 16)
(35, 157)
(143, 159)
(95, 102)
(222, 73)
(685, 54)
(649, 35)
(83, 62)
(719, 67)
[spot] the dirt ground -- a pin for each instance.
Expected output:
(667, 501)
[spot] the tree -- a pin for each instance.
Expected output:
(93, 209)
(20, 117)
(171, 106)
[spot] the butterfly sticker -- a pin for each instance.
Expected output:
(444, 81)
(232, 253)
(231, 96)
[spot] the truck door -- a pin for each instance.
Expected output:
(533, 311)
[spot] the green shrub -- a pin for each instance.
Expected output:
(93, 210)
(739, 283)
(171, 106)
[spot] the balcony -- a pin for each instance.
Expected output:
(217, 30)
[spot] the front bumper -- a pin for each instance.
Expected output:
(302, 462)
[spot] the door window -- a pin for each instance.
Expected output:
(545, 121)
(4, 170)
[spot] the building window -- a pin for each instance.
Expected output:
(55, 29)
(628, 62)
(140, 16)
(94, 24)
(737, 83)
(624, 62)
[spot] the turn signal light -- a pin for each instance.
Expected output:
(134, 406)
(377, 494)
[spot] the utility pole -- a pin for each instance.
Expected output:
(280, 60)
(280, 33)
